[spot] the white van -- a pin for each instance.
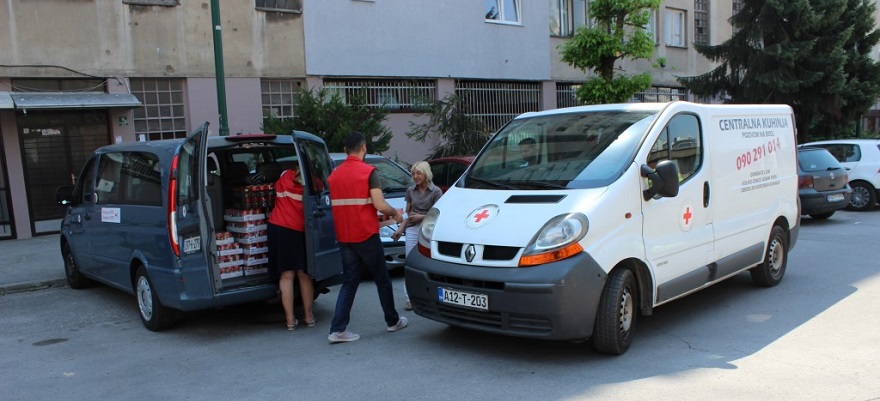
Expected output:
(625, 207)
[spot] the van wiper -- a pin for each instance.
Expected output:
(388, 190)
(491, 182)
(540, 184)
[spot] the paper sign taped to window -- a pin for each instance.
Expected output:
(110, 215)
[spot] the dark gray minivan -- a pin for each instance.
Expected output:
(181, 223)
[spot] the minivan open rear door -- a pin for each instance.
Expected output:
(320, 235)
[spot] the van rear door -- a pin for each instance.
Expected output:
(189, 229)
(320, 234)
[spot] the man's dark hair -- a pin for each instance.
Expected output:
(527, 141)
(353, 141)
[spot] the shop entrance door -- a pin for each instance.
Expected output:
(7, 226)
(54, 147)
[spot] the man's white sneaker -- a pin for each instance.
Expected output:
(401, 324)
(343, 337)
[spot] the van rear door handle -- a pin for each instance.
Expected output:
(706, 194)
(319, 213)
(87, 216)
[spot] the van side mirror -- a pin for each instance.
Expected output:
(664, 179)
(64, 195)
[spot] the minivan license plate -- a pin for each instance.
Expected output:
(835, 197)
(462, 298)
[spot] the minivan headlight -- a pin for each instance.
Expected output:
(556, 240)
(426, 231)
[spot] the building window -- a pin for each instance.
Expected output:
(283, 6)
(660, 94)
(279, 97)
(651, 27)
(496, 103)
(566, 94)
(675, 27)
(404, 96)
(162, 115)
(701, 22)
(502, 10)
(561, 23)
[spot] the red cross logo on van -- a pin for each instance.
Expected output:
(687, 217)
(481, 216)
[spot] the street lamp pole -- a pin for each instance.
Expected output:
(218, 67)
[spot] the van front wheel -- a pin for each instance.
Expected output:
(616, 316)
(154, 316)
(770, 272)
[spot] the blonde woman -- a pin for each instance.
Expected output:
(420, 198)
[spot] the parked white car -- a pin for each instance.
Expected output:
(861, 158)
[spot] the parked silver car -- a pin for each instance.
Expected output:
(861, 159)
(822, 183)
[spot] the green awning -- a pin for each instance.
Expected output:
(6, 101)
(72, 100)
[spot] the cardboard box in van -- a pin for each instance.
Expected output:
(181, 223)
(571, 223)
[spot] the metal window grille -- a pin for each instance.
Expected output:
(701, 22)
(168, 3)
(394, 95)
(162, 114)
(660, 94)
(279, 97)
(565, 94)
(283, 6)
(496, 103)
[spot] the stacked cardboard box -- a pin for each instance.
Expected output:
(228, 256)
(248, 229)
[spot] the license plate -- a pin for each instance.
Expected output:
(192, 244)
(463, 298)
(835, 197)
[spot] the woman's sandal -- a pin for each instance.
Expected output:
(292, 326)
(311, 323)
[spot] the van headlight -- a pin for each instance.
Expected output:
(426, 231)
(557, 240)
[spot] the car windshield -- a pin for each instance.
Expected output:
(394, 178)
(560, 151)
(811, 160)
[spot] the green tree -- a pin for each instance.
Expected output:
(331, 118)
(459, 133)
(619, 32)
(811, 54)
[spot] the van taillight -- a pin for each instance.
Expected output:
(805, 181)
(172, 207)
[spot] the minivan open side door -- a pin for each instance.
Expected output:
(320, 235)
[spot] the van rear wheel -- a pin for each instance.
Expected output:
(616, 316)
(770, 272)
(154, 316)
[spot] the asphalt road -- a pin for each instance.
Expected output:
(816, 336)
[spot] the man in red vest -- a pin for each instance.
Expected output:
(356, 196)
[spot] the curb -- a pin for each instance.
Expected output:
(6, 289)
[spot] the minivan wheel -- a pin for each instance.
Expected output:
(770, 272)
(153, 315)
(863, 196)
(75, 279)
(617, 312)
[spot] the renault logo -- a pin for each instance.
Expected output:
(469, 253)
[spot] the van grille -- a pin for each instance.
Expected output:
(490, 252)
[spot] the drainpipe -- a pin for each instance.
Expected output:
(218, 67)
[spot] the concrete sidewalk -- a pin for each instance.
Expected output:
(30, 264)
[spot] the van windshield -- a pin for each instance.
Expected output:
(560, 151)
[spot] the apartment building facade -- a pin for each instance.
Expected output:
(76, 75)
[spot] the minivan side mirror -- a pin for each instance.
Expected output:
(64, 195)
(664, 179)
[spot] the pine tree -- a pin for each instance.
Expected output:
(810, 54)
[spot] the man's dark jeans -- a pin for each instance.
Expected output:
(358, 259)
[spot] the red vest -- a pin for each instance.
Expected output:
(354, 216)
(288, 211)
